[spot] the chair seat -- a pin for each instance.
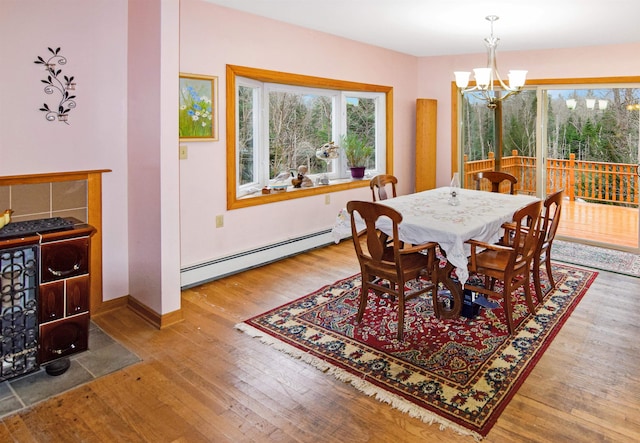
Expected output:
(412, 265)
(411, 261)
(493, 263)
(490, 259)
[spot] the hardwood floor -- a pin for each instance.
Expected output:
(204, 381)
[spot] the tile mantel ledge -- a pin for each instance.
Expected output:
(8, 180)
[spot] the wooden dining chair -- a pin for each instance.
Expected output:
(549, 220)
(509, 263)
(496, 178)
(386, 267)
(381, 185)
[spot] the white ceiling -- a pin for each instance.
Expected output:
(443, 27)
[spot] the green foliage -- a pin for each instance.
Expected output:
(356, 149)
(598, 134)
(609, 135)
(298, 125)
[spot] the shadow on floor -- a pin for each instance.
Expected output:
(104, 356)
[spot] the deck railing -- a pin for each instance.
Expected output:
(598, 182)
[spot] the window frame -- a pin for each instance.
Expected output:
(235, 201)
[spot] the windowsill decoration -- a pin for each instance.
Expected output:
(327, 152)
(358, 154)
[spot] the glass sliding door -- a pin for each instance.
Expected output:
(592, 145)
(509, 146)
(583, 138)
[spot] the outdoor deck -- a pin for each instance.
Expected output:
(598, 223)
(610, 217)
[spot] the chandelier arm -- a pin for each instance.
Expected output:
(492, 45)
(510, 93)
(480, 94)
(496, 76)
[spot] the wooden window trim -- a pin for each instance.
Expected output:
(233, 201)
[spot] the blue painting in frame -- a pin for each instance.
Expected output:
(198, 114)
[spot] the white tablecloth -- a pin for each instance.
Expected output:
(428, 217)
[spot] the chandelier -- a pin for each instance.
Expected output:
(485, 77)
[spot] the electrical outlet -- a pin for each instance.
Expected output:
(219, 221)
(327, 199)
(183, 152)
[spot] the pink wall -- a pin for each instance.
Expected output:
(436, 74)
(93, 38)
(152, 154)
(210, 38)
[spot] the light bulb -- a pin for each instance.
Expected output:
(483, 77)
(462, 79)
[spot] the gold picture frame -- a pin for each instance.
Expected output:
(198, 113)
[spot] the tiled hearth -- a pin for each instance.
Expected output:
(104, 356)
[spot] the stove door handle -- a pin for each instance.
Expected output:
(64, 273)
(62, 351)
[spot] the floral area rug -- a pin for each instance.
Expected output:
(595, 257)
(459, 373)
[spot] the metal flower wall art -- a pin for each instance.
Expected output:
(56, 85)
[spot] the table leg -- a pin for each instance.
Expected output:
(454, 306)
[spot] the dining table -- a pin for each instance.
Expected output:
(434, 216)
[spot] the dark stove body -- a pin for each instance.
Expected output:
(19, 295)
(19, 311)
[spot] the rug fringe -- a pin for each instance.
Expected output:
(360, 384)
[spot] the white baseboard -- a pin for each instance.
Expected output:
(198, 274)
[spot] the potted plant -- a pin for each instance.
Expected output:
(358, 153)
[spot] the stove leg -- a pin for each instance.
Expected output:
(58, 367)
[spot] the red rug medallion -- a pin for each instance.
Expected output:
(459, 373)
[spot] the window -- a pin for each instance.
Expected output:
(592, 121)
(277, 121)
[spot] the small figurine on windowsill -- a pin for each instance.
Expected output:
(302, 181)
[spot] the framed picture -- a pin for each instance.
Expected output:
(198, 107)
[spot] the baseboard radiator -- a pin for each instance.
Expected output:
(215, 269)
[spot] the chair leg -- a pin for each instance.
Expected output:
(547, 261)
(508, 306)
(436, 303)
(401, 315)
(434, 291)
(364, 293)
(536, 279)
(527, 294)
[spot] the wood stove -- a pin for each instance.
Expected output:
(45, 294)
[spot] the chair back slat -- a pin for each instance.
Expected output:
(379, 185)
(376, 241)
(551, 215)
(496, 178)
(526, 233)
